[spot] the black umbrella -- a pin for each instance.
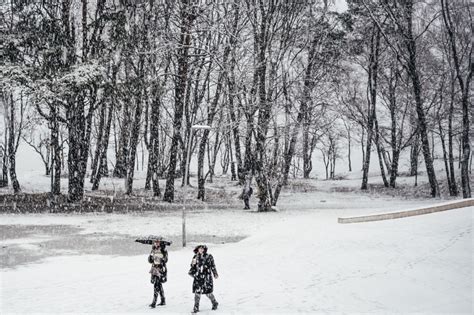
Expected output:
(150, 239)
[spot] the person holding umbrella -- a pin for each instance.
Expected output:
(158, 258)
(202, 270)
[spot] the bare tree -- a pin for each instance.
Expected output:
(14, 123)
(187, 17)
(464, 76)
(400, 13)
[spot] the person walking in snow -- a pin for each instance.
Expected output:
(158, 258)
(202, 270)
(247, 192)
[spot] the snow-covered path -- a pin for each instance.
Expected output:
(306, 263)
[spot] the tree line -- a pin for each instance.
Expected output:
(87, 84)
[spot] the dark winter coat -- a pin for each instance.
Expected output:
(247, 191)
(202, 270)
(158, 259)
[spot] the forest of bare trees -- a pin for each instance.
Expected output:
(90, 84)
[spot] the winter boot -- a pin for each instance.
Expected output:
(213, 301)
(197, 298)
(162, 296)
(153, 303)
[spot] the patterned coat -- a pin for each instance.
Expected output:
(158, 259)
(202, 270)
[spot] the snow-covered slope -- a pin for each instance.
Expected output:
(305, 263)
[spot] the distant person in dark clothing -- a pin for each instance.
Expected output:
(246, 192)
(158, 259)
(202, 270)
(232, 171)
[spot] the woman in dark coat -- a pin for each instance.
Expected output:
(158, 259)
(202, 270)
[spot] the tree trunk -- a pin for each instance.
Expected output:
(102, 169)
(460, 152)
(373, 69)
(99, 140)
(249, 167)
(234, 118)
(235, 131)
(393, 131)
(212, 158)
(362, 138)
(312, 146)
(12, 148)
(210, 118)
(134, 137)
(453, 185)
(5, 160)
(326, 163)
(155, 143)
(187, 19)
(133, 144)
(414, 151)
(202, 150)
(470, 163)
(276, 150)
(226, 155)
(307, 165)
(466, 188)
(465, 87)
(188, 118)
(414, 75)
(349, 150)
(121, 161)
(445, 156)
(333, 164)
(394, 168)
(380, 153)
(76, 166)
(264, 107)
(56, 159)
(301, 118)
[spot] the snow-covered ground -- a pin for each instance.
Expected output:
(296, 260)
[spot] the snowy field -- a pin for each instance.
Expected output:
(296, 260)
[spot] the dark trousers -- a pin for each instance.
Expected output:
(158, 289)
(197, 298)
(246, 202)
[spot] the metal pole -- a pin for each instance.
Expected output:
(185, 189)
(186, 174)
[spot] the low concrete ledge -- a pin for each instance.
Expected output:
(409, 213)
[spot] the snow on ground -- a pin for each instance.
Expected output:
(218, 222)
(293, 261)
